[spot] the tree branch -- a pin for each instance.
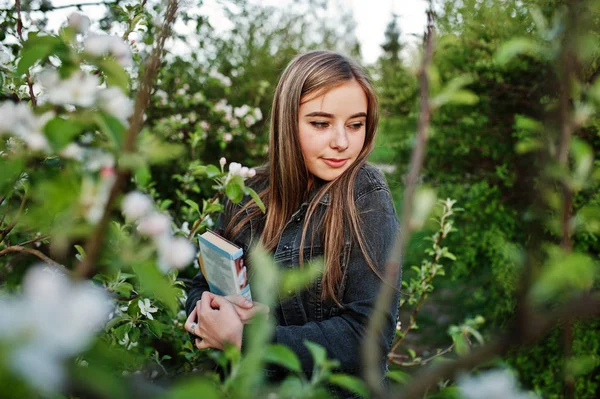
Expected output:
(50, 7)
(31, 251)
(370, 351)
(20, 33)
(87, 266)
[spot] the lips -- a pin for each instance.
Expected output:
(335, 162)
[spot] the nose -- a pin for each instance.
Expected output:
(339, 141)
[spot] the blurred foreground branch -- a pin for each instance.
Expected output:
(370, 351)
(87, 266)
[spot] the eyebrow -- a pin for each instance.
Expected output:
(327, 115)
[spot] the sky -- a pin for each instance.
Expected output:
(371, 17)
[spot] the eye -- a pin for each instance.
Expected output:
(357, 125)
(319, 125)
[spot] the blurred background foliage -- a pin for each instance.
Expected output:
(213, 98)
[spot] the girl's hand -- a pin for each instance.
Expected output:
(217, 323)
(245, 309)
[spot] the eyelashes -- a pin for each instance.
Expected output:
(324, 125)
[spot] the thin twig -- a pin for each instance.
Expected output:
(425, 282)
(35, 252)
(5, 212)
(371, 352)
(20, 33)
(199, 221)
(13, 223)
(393, 356)
(87, 266)
(48, 8)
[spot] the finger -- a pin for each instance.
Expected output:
(206, 304)
(192, 319)
(240, 301)
(204, 344)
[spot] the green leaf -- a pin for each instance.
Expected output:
(193, 205)
(212, 171)
(461, 347)
(296, 279)
(194, 389)
(10, 170)
(256, 198)
(565, 274)
(61, 132)
(111, 127)
(122, 330)
(115, 321)
(398, 376)
(350, 383)
(235, 189)
(283, 356)
(155, 285)
(115, 74)
(32, 54)
(156, 327)
(318, 353)
(515, 47)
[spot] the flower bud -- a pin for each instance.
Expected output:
(251, 173)
(244, 172)
(135, 205)
(235, 168)
(178, 253)
(155, 224)
(79, 22)
(222, 162)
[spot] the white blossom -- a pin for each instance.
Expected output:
(78, 89)
(235, 168)
(249, 120)
(244, 171)
(135, 205)
(72, 151)
(493, 384)
(97, 202)
(227, 137)
(177, 252)
(258, 114)
(204, 125)
(79, 22)
(241, 111)
(5, 56)
(52, 320)
(20, 120)
(251, 173)
(96, 159)
(101, 45)
(36, 142)
(116, 103)
(154, 225)
(146, 308)
(127, 343)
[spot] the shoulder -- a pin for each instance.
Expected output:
(369, 181)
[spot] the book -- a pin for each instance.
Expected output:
(222, 264)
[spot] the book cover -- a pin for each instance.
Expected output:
(222, 264)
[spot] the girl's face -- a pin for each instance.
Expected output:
(332, 128)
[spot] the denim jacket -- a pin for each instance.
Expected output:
(304, 316)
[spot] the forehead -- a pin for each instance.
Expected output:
(346, 98)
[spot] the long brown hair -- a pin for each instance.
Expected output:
(314, 72)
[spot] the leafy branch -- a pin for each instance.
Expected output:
(421, 286)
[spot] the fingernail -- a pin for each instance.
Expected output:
(247, 302)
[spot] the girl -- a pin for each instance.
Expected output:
(322, 200)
